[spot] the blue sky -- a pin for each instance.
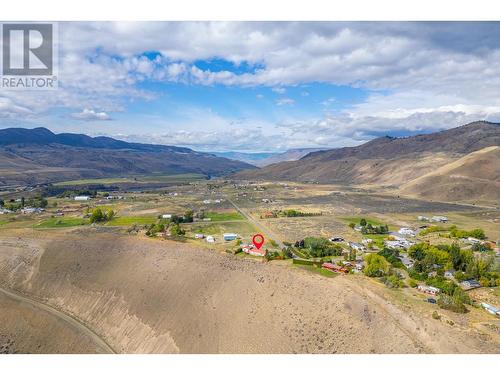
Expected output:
(265, 86)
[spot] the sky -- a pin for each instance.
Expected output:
(265, 86)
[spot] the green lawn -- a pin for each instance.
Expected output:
(186, 177)
(124, 221)
(318, 270)
(224, 216)
(378, 239)
(62, 222)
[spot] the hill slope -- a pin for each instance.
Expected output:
(386, 161)
(476, 176)
(29, 156)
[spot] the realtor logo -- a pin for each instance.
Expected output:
(28, 56)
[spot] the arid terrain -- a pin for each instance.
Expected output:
(148, 296)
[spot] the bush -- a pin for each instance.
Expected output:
(412, 283)
(435, 315)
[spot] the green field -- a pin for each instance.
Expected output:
(224, 216)
(369, 220)
(179, 178)
(123, 221)
(62, 222)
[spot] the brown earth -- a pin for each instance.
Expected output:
(475, 176)
(25, 328)
(152, 296)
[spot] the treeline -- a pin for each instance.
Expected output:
(36, 202)
(368, 228)
(318, 247)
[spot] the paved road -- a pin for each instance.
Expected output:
(265, 231)
(61, 315)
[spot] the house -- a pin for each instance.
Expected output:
(334, 268)
(166, 216)
(207, 219)
(4, 211)
(407, 261)
(491, 309)
(266, 200)
(470, 284)
(398, 244)
(31, 210)
(210, 239)
(199, 236)
(207, 201)
(407, 232)
(423, 218)
(473, 240)
(82, 198)
(357, 246)
(268, 215)
(366, 241)
(450, 274)
(229, 236)
(428, 289)
(336, 239)
(252, 250)
(439, 219)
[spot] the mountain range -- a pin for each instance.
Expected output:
(445, 165)
(33, 156)
(261, 159)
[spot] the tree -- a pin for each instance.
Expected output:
(376, 265)
(97, 216)
(2, 202)
(362, 222)
(110, 215)
(352, 225)
(176, 230)
(22, 201)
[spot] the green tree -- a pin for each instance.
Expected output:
(97, 216)
(352, 225)
(362, 222)
(376, 265)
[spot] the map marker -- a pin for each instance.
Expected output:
(258, 240)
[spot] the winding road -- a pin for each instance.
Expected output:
(82, 328)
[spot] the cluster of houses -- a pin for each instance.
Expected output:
(398, 243)
(31, 210)
(211, 239)
(4, 211)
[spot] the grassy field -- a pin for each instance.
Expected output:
(369, 220)
(123, 221)
(224, 216)
(62, 222)
(179, 178)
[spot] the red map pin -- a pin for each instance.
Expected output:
(258, 240)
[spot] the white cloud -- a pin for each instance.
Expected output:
(419, 76)
(285, 101)
(279, 90)
(91, 115)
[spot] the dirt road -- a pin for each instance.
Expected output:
(60, 315)
(262, 228)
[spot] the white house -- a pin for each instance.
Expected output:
(210, 239)
(407, 232)
(423, 218)
(357, 246)
(439, 219)
(82, 198)
(199, 235)
(428, 289)
(473, 240)
(166, 216)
